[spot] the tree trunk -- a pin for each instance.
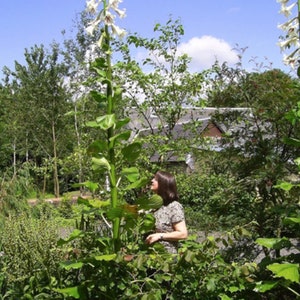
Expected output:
(55, 169)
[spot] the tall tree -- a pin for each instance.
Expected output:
(39, 89)
(161, 86)
(253, 141)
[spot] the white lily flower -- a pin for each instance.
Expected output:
(286, 10)
(109, 18)
(92, 6)
(283, 1)
(289, 61)
(116, 30)
(92, 26)
(120, 12)
(288, 42)
(100, 41)
(114, 4)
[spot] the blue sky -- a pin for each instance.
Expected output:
(212, 28)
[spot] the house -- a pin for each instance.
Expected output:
(146, 123)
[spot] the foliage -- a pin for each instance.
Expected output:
(29, 256)
(14, 190)
(41, 83)
(157, 91)
(253, 139)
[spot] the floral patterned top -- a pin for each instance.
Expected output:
(165, 218)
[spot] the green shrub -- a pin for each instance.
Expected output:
(30, 256)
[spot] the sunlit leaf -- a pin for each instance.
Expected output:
(92, 186)
(98, 163)
(274, 243)
(291, 221)
(107, 121)
(224, 297)
(68, 265)
(70, 291)
(262, 287)
(132, 174)
(107, 257)
(287, 271)
(284, 186)
(137, 184)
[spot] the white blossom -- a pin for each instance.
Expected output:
(105, 16)
(287, 10)
(116, 30)
(109, 18)
(92, 26)
(114, 4)
(92, 6)
(283, 1)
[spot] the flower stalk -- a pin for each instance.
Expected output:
(106, 19)
(292, 36)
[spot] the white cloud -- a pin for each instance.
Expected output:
(206, 50)
(203, 51)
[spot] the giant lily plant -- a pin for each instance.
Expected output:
(109, 93)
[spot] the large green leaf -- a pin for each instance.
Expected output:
(292, 142)
(97, 147)
(284, 186)
(99, 97)
(131, 152)
(100, 163)
(137, 184)
(132, 174)
(120, 136)
(274, 243)
(94, 203)
(107, 121)
(291, 221)
(92, 186)
(115, 212)
(287, 271)
(74, 235)
(121, 123)
(147, 203)
(262, 287)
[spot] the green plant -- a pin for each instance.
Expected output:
(29, 255)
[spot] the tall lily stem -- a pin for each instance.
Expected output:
(110, 134)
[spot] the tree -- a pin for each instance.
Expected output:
(39, 89)
(160, 86)
(254, 144)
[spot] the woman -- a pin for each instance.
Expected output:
(170, 221)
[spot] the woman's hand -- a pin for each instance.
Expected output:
(152, 238)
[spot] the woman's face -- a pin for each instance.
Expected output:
(154, 185)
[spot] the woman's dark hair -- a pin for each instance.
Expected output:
(167, 188)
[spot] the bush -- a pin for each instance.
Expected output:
(30, 255)
(215, 201)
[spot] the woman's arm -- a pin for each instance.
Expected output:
(180, 233)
